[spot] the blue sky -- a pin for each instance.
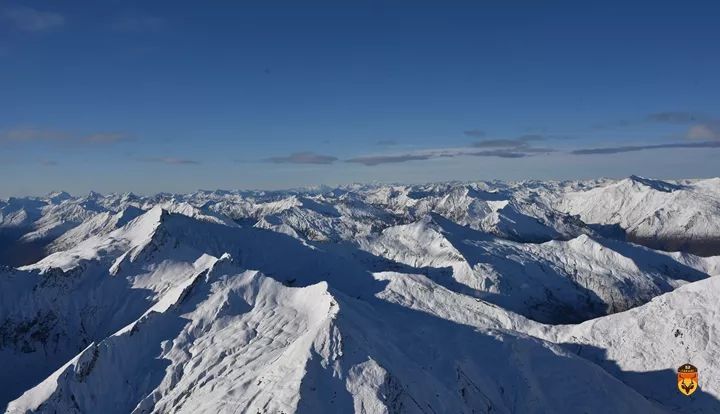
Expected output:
(175, 96)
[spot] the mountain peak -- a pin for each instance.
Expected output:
(59, 196)
(657, 185)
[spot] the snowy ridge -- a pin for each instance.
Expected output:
(258, 354)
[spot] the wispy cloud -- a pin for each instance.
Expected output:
(388, 159)
(139, 23)
(523, 141)
(499, 143)
(706, 131)
(675, 117)
(505, 153)
(537, 137)
(386, 142)
(171, 160)
(475, 133)
(30, 134)
(510, 148)
(666, 117)
(48, 163)
(633, 148)
(303, 158)
(105, 138)
(30, 20)
(701, 126)
(511, 152)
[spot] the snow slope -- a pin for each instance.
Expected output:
(645, 345)
(656, 213)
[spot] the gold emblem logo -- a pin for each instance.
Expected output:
(687, 379)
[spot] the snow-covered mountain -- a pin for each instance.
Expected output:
(671, 216)
(531, 297)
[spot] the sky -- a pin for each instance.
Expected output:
(152, 96)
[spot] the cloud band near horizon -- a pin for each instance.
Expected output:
(634, 148)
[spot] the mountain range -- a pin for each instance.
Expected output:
(480, 297)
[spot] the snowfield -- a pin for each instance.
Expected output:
(484, 297)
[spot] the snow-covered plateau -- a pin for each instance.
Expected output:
(481, 297)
